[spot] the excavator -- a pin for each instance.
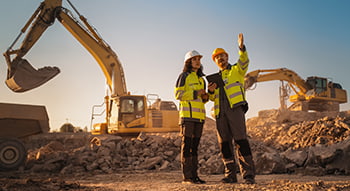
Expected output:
(314, 93)
(124, 113)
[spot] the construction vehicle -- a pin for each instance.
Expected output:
(314, 93)
(124, 113)
(17, 122)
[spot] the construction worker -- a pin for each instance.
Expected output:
(230, 106)
(190, 91)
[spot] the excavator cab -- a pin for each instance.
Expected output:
(132, 111)
(22, 76)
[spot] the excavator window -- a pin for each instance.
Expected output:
(336, 85)
(318, 84)
(127, 106)
(321, 85)
(132, 108)
(140, 105)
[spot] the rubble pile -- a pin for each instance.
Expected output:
(313, 143)
(107, 154)
(280, 132)
(281, 143)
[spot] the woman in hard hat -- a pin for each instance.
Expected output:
(190, 91)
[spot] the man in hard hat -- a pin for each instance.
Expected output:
(230, 106)
(190, 91)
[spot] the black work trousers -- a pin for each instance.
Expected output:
(191, 135)
(231, 128)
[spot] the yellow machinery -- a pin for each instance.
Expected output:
(125, 113)
(316, 93)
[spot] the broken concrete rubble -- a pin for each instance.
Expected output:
(317, 146)
(296, 157)
(306, 140)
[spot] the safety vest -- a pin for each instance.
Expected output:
(233, 78)
(191, 106)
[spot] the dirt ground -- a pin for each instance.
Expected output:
(157, 180)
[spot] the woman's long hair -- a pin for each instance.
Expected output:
(188, 68)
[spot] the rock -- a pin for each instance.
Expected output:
(290, 167)
(92, 166)
(341, 164)
(213, 165)
(296, 157)
(44, 151)
(177, 142)
(164, 165)
(103, 151)
(269, 163)
(169, 153)
(321, 155)
(142, 136)
(311, 171)
(150, 163)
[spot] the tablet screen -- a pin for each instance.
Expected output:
(215, 78)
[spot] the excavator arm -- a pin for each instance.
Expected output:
(23, 77)
(282, 74)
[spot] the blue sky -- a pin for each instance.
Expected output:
(151, 38)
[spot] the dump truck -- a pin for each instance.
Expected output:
(18, 122)
(315, 93)
(124, 113)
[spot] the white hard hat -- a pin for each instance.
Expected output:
(191, 54)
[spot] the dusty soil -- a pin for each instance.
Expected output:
(157, 180)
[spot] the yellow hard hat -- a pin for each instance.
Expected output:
(218, 51)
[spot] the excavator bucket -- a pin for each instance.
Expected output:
(24, 77)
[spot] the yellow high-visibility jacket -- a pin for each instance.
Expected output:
(233, 78)
(191, 106)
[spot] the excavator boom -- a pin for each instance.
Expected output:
(23, 77)
(283, 74)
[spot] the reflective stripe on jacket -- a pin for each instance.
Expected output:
(191, 105)
(233, 77)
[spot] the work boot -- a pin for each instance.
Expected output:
(249, 180)
(197, 180)
(229, 180)
(245, 159)
(247, 167)
(230, 171)
(187, 168)
(188, 181)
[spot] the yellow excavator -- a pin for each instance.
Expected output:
(314, 93)
(124, 113)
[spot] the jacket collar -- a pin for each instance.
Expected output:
(229, 66)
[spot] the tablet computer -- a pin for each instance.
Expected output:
(215, 78)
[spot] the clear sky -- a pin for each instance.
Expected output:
(151, 38)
